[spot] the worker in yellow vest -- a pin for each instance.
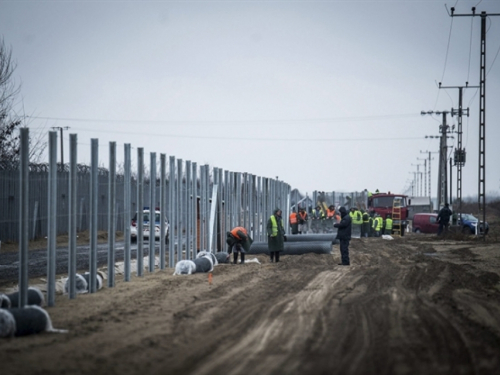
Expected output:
(388, 225)
(377, 225)
(275, 235)
(356, 221)
(371, 233)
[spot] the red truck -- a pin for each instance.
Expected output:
(383, 203)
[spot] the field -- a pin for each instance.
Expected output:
(413, 305)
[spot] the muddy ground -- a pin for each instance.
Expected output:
(412, 305)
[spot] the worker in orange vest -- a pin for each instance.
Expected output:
(239, 241)
(294, 222)
(330, 212)
(303, 221)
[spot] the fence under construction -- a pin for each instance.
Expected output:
(201, 203)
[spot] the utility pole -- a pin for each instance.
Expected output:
(459, 156)
(414, 184)
(443, 149)
(442, 180)
(61, 128)
(424, 191)
(482, 110)
(429, 159)
(419, 180)
(451, 181)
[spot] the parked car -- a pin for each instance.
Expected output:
(425, 223)
(469, 224)
(146, 232)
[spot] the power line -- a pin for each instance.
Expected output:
(259, 139)
(445, 60)
(228, 122)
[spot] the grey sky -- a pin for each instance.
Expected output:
(326, 95)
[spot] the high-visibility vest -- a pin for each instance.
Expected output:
(358, 217)
(366, 218)
(379, 222)
(274, 231)
(388, 223)
(303, 215)
(330, 213)
(293, 218)
(235, 231)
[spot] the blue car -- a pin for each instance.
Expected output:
(469, 224)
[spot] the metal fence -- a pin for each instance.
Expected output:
(231, 186)
(201, 203)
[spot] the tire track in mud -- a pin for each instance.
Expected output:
(252, 317)
(436, 337)
(377, 317)
(265, 346)
(396, 310)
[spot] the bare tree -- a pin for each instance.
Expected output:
(9, 136)
(10, 121)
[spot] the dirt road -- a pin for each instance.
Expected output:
(413, 305)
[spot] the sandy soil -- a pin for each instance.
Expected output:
(413, 305)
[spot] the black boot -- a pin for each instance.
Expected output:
(277, 256)
(242, 258)
(235, 257)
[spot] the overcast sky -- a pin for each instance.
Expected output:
(326, 95)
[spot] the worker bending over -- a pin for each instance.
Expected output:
(239, 242)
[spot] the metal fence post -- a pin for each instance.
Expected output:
(93, 213)
(140, 210)
(171, 211)
(163, 212)
(189, 211)
(72, 216)
(127, 213)
(152, 212)
(23, 216)
(111, 213)
(52, 219)
(195, 209)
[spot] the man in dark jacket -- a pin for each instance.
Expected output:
(239, 241)
(443, 218)
(275, 235)
(344, 235)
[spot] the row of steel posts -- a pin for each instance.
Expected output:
(200, 211)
